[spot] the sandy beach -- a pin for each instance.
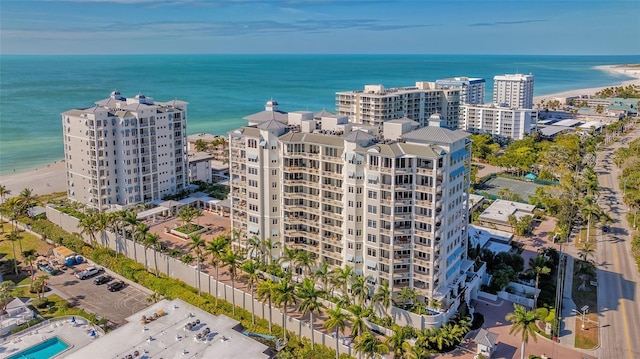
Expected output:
(48, 179)
(623, 70)
(52, 178)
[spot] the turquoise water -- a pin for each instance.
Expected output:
(44, 350)
(221, 89)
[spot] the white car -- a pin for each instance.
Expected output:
(89, 272)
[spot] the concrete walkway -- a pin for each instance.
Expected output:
(567, 330)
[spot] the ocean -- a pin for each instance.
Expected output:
(222, 89)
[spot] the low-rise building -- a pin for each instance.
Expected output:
(200, 166)
(497, 214)
(500, 121)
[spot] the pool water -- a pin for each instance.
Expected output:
(44, 350)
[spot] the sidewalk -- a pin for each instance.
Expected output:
(568, 323)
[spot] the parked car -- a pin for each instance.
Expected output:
(115, 286)
(102, 279)
(89, 272)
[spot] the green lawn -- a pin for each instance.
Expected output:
(587, 338)
(29, 241)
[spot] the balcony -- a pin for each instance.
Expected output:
(421, 262)
(424, 171)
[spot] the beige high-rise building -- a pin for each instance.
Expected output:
(501, 121)
(514, 90)
(125, 151)
(394, 207)
(375, 104)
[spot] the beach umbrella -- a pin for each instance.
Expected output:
(93, 333)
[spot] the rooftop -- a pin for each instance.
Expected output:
(500, 210)
(169, 336)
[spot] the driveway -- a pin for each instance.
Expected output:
(115, 306)
(509, 345)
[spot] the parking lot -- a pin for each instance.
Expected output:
(115, 306)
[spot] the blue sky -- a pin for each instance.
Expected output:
(320, 26)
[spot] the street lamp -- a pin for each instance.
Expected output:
(582, 311)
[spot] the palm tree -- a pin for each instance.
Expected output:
(89, 226)
(265, 291)
(102, 224)
(382, 296)
(27, 199)
(196, 245)
(303, 260)
(29, 260)
(407, 295)
(337, 322)
(41, 285)
(538, 266)
(359, 314)
(267, 248)
(254, 250)
(309, 302)
(341, 278)
(130, 217)
(115, 224)
(370, 346)
(232, 260)
(153, 241)
(13, 237)
(322, 274)
(523, 321)
(252, 275)
(359, 288)
(284, 295)
(288, 256)
(217, 247)
(138, 236)
(236, 235)
(586, 251)
(4, 192)
(187, 258)
(395, 341)
(6, 288)
(591, 210)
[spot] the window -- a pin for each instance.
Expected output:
(372, 209)
(373, 194)
(274, 197)
(253, 183)
(372, 223)
(372, 252)
(274, 209)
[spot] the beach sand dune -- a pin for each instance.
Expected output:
(46, 180)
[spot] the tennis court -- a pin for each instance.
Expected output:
(524, 189)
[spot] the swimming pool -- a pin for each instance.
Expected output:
(44, 350)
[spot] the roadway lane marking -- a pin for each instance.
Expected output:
(616, 261)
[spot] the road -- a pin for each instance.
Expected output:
(618, 279)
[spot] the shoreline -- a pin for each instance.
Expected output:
(46, 179)
(628, 70)
(52, 178)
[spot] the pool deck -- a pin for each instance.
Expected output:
(165, 337)
(76, 335)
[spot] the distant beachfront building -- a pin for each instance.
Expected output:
(515, 90)
(514, 123)
(125, 151)
(376, 104)
(472, 89)
(394, 206)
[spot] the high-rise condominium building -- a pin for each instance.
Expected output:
(392, 207)
(502, 121)
(125, 151)
(375, 104)
(514, 90)
(472, 89)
